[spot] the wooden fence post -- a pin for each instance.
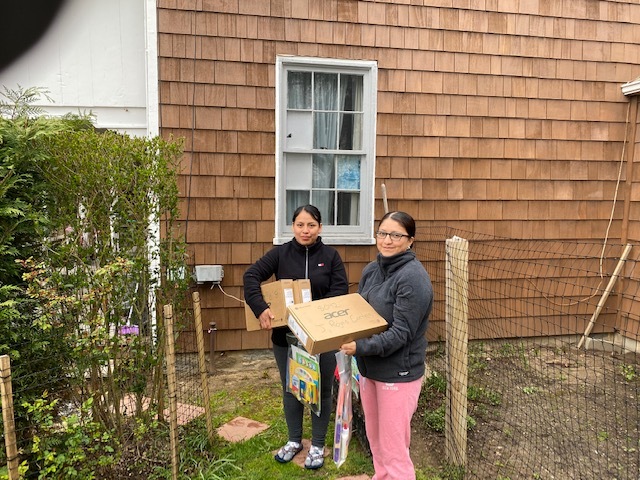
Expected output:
(7, 417)
(456, 313)
(171, 386)
(605, 295)
(204, 377)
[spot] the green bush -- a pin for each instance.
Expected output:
(75, 447)
(81, 257)
(37, 357)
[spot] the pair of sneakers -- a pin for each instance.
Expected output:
(314, 460)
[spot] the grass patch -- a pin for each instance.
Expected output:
(253, 459)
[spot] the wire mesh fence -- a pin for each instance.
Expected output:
(553, 372)
(136, 379)
(553, 375)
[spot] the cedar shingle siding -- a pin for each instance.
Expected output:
(503, 117)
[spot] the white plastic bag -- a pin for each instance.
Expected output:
(344, 413)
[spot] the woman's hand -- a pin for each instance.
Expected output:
(349, 348)
(265, 319)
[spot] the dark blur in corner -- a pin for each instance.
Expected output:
(24, 22)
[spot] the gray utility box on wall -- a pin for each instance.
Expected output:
(209, 273)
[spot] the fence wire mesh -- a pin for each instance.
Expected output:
(539, 406)
(132, 376)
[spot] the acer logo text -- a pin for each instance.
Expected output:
(336, 314)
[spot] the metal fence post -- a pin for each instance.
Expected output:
(212, 344)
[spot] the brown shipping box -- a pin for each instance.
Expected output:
(279, 295)
(324, 325)
(302, 291)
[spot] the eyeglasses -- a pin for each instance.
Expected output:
(395, 236)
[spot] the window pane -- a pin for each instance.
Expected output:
(350, 131)
(348, 173)
(295, 198)
(299, 90)
(299, 130)
(323, 171)
(298, 171)
(351, 92)
(325, 130)
(348, 208)
(325, 91)
(323, 199)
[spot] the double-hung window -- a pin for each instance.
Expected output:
(325, 145)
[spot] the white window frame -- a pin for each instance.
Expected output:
(331, 234)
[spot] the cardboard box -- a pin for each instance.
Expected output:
(302, 291)
(279, 295)
(324, 325)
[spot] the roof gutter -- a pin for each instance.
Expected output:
(631, 88)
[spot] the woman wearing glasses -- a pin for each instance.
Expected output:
(392, 363)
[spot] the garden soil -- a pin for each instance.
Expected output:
(543, 412)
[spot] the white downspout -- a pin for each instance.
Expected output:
(153, 130)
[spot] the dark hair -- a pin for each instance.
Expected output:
(311, 210)
(403, 219)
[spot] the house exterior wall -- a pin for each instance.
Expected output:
(93, 58)
(494, 116)
(626, 323)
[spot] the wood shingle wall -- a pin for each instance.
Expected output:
(504, 117)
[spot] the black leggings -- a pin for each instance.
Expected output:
(294, 410)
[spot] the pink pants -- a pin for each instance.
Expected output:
(388, 409)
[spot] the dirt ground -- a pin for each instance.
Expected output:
(536, 412)
(541, 411)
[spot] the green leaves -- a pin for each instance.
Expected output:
(19, 102)
(78, 259)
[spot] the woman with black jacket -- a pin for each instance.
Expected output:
(305, 256)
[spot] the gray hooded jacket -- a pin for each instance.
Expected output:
(400, 290)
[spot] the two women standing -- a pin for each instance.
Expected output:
(391, 363)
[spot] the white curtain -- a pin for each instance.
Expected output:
(325, 122)
(295, 198)
(324, 183)
(299, 90)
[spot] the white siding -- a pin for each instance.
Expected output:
(94, 58)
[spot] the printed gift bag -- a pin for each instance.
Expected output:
(303, 377)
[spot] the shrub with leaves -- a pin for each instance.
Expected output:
(74, 447)
(37, 357)
(108, 193)
(23, 189)
(83, 263)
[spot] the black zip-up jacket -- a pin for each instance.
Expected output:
(320, 263)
